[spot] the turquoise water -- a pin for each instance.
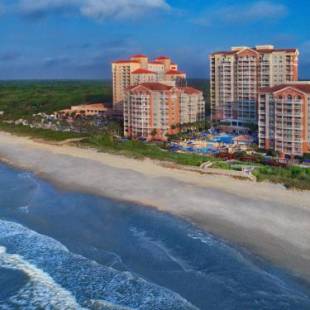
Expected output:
(65, 250)
(227, 139)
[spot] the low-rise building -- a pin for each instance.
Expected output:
(94, 109)
(284, 118)
(154, 110)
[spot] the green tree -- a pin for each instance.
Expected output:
(154, 133)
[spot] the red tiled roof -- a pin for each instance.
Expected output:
(191, 90)
(234, 52)
(301, 87)
(162, 57)
(142, 71)
(138, 56)
(177, 72)
(163, 87)
(96, 105)
(93, 106)
(153, 86)
(125, 61)
(289, 50)
(224, 53)
(243, 138)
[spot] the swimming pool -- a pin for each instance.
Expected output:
(227, 139)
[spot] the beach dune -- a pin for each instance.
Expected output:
(262, 217)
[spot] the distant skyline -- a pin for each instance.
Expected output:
(78, 39)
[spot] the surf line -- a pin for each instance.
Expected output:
(38, 277)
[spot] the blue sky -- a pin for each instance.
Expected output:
(42, 39)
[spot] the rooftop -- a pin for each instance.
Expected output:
(259, 49)
(174, 72)
(90, 106)
(191, 90)
(163, 87)
(138, 56)
(302, 86)
(125, 61)
(153, 86)
(162, 57)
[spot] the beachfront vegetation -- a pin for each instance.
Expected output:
(188, 131)
(306, 156)
(39, 133)
(291, 177)
(107, 142)
(139, 149)
(21, 99)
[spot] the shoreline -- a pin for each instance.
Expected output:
(265, 218)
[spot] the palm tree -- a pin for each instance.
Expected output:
(154, 133)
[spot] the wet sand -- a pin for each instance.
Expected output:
(264, 218)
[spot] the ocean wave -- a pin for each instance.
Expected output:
(78, 281)
(243, 265)
(159, 249)
(44, 291)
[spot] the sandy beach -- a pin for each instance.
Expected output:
(264, 218)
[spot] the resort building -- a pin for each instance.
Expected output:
(284, 118)
(93, 109)
(153, 110)
(237, 75)
(138, 69)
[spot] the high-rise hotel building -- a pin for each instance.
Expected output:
(284, 118)
(153, 97)
(138, 69)
(237, 75)
(153, 110)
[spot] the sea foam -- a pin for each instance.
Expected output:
(60, 279)
(44, 291)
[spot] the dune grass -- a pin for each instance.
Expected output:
(291, 177)
(38, 133)
(138, 149)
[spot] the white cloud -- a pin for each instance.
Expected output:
(258, 10)
(100, 9)
(96, 9)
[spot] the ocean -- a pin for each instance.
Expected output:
(68, 250)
